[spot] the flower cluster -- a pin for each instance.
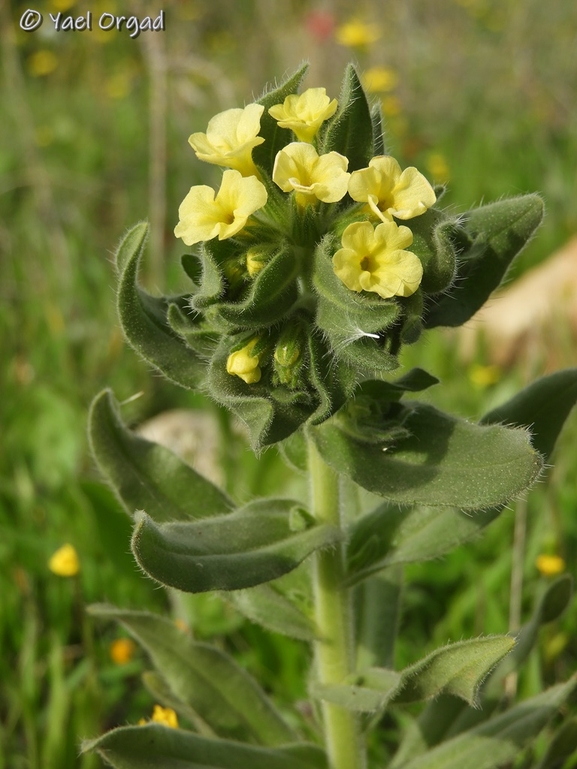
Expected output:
(316, 246)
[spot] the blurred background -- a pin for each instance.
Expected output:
(478, 94)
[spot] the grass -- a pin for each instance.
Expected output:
(74, 174)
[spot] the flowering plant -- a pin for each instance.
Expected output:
(318, 258)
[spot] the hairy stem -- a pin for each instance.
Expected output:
(334, 654)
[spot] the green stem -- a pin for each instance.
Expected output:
(334, 654)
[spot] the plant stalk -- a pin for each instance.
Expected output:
(334, 653)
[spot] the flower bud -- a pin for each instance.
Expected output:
(244, 363)
(256, 259)
(288, 356)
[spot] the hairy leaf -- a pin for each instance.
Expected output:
(494, 235)
(444, 461)
(205, 679)
(457, 668)
(350, 131)
(543, 407)
(143, 318)
(269, 607)
(499, 740)
(255, 544)
(154, 746)
(146, 475)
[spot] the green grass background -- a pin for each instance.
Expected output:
(93, 138)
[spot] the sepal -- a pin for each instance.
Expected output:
(350, 131)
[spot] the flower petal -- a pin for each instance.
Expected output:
(413, 194)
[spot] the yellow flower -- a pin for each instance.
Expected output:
(391, 192)
(202, 216)
(298, 167)
(64, 562)
(380, 79)
(42, 63)
(304, 114)
(244, 364)
(166, 716)
(375, 260)
(230, 138)
(121, 650)
(550, 565)
(484, 376)
(357, 34)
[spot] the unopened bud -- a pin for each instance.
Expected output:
(244, 363)
(256, 259)
(288, 356)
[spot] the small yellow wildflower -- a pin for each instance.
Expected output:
(375, 260)
(298, 167)
(389, 192)
(230, 139)
(550, 565)
(160, 715)
(379, 79)
(64, 562)
(304, 114)
(122, 650)
(202, 216)
(484, 376)
(357, 34)
(42, 63)
(245, 364)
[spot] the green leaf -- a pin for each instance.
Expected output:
(145, 475)
(415, 380)
(205, 679)
(458, 669)
(444, 461)
(390, 535)
(377, 608)
(446, 717)
(366, 692)
(294, 451)
(562, 746)
(143, 318)
(350, 131)
(253, 545)
(499, 740)
(156, 746)
(275, 138)
(543, 407)
(494, 235)
(420, 734)
(267, 606)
